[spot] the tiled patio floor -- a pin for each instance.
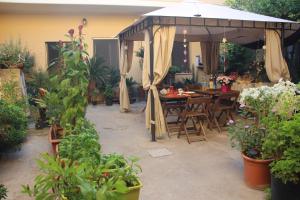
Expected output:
(199, 171)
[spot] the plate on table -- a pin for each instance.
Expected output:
(189, 92)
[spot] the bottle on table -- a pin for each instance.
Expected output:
(211, 82)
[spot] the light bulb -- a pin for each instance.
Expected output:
(184, 31)
(224, 40)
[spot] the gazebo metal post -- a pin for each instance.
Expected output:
(282, 40)
(150, 29)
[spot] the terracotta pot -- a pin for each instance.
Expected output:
(53, 137)
(257, 172)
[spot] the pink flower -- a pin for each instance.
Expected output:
(71, 32)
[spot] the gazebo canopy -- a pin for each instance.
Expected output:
(210, 22)
(193, 21)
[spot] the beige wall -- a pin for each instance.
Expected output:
(35, 30)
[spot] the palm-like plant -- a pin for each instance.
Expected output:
(98, 72)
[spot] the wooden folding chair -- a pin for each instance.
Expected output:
(224, 104)
(196, 110)
(172, 108)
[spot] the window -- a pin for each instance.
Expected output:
(108, 49)
(52, 51)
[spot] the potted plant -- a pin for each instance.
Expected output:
(95, 98)
(98, 75)
(94, 176)
(283, 145)
(270, 105)
(170, 78)
(130, 83)
(108, 94)
(226, 82)
(13, 118)
(248, 138)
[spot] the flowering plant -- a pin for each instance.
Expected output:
(280, 99)
(247, 138)
(226, 80)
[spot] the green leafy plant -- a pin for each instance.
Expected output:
(189, 81)
(3, 192)
(98, 72)
(13, 54)
(70, 90)
(11, 93)
(247, 138)
(174, 69)
(36, 80)
(81, 143)
(67, 179)
(13, 124)
(283, 144)
(108, 91)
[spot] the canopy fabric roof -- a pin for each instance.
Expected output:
(204, 22)
(195, 8)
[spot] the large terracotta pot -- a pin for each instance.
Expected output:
(257, 172)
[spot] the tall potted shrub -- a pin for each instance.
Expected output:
(70, 92)
(109, 94)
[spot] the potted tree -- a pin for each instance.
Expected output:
(108, 94)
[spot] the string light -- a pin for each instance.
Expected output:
(185, 47)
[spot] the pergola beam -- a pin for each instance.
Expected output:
(203, 22)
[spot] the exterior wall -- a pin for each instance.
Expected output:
(35, 30)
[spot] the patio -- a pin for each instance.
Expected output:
(201, 170)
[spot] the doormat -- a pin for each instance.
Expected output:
(156, 153)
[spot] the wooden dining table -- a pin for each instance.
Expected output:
(214, 92)
(176, 97)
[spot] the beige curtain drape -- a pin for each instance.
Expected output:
(162, 50)
(210, 55)
(276, 65)
(126, 51)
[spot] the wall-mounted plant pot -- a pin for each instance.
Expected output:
(54, 137)
(133, 194)
(256, 172)
(282, 191)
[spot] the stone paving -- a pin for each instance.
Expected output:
(207, 170)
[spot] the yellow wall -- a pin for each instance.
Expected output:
(35, 30)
